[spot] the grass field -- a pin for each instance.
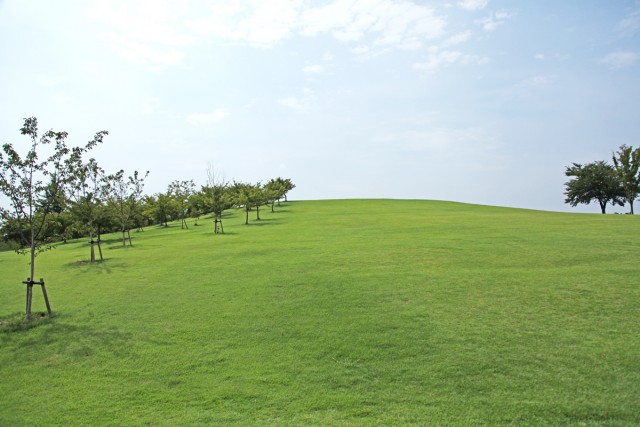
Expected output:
(351, 312)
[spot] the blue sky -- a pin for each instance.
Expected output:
(479, 101)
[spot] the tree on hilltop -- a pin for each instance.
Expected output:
(627, 163)
(274, 191)
(247, 196)
(597, 181)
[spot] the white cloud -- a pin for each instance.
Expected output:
(530, 86)
(472, 5)
(145, 31)
(144, 53)
(494, 20)
(540, 81)
(300, 104)
(458, 38)
(150, 105)
(313, 69)
(215, 116)
(159, 31)
(630, 25)
(474, 143)
(437, 59)
(539, 56)
(620, 59)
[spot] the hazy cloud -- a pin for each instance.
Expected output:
(300, 103)
(458, 38)
(620, 59)
(215, 116)
(630, 25)
(313, 69)
(495, 19)
(438, 58)
(472, 5)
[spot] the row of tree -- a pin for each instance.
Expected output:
(616, 184)
(67, 195)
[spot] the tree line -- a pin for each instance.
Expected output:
(616, 183)
(66, 194)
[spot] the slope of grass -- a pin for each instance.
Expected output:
(351, 312)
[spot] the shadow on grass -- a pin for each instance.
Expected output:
(264, 221)
(18, 321)
(104, 266)
(226, 233)
(62, 338)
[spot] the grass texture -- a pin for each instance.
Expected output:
(346, 312)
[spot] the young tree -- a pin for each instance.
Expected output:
(88, 190)
(244, 196)
(627, 164)
(23, 182)
(181, 191)
(287, 186)
(595, 181)
(124, 197)
(217, 197)
(274, 190)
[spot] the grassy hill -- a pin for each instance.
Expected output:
(350, 312)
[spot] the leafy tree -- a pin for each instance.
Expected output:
(217, 197)
(125, 195)
(89, 190)
(31, 198)
(627, 164)
(196, 206)
(287, 184)
(246, 196)
(181, 191)
(274, 190)
(161, 208)
(595, 181)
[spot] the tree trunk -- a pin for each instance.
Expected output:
(93, 252)
(603, 206)
(129, 234)
(123, 237)
(258, 213)
(246, 221)
(32, 269)
(100, 245)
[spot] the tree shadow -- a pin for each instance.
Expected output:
(67, 339)
(264, 221)
(105, 266)
(17, 322)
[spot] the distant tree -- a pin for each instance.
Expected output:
(124, 197)
(595, 181)
(181, 191)
(217, 197)
(196, 206)
(23, 180)
(274, 190)
(88, 191)
(245, 196)
(287, 184)
(627, 163)
(160, 208)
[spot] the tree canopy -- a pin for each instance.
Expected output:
(595, 181)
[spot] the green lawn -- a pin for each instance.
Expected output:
(351, 312)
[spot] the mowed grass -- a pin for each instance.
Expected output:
(350, 312)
